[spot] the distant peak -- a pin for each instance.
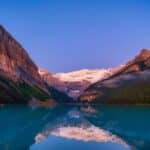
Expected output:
(145, 51)
(144, 54)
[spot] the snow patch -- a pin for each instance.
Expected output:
(84, 75)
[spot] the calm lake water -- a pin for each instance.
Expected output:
(67, 127)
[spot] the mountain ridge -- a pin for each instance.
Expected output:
(131, 84)
(75, 82)
(20, 80)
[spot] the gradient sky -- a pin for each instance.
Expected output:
(66, 35)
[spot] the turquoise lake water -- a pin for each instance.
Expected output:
(74, 128)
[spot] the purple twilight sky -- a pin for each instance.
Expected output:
(66, 35)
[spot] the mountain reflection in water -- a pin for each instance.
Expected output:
(74, 126)
(67, 127)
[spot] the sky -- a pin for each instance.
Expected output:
(67, 35)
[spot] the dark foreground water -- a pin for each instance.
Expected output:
(74, 128)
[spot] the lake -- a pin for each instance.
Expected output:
(74, 127)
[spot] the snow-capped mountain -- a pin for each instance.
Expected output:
(84, 74)
(74, 83)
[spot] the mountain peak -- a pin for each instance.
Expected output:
(1, 27)
(3, 31)
(6, 36)
(15, 60)
(145, 53)
(143, 56)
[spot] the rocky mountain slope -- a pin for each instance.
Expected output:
(15, 61)
(20, 80)
(129, 85)
(74, 83)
